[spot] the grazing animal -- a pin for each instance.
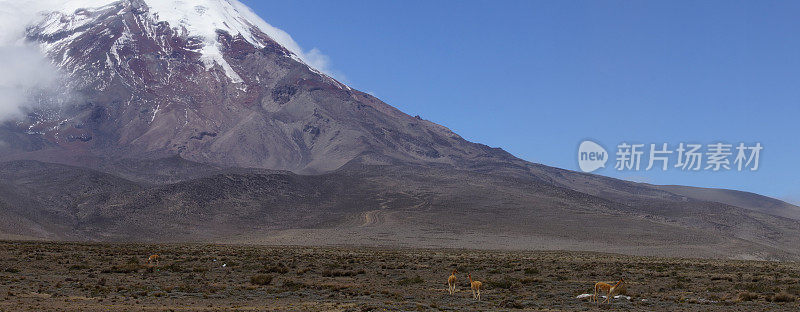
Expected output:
(476, 287)
(153, 259)
(609, 289)
(451, 282)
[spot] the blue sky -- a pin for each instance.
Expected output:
(537, 77)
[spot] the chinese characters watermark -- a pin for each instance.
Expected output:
(683, 156)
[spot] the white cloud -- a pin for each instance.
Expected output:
(16, 15)
(25, 70)
(314, 57)
(27, 75)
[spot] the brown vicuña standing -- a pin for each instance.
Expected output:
(451, 282)
(153, 259)
(476, 287)
(609, 289)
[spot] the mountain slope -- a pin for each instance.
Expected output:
(397, 205)
(745, 200)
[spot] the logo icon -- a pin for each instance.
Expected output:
(591, 156)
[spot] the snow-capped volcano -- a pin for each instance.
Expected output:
(211, 81)
(200, 20)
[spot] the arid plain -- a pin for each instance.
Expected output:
(43, 276)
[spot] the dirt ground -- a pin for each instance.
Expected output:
(37, 276)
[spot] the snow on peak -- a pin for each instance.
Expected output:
(202, 19)
(194, 18)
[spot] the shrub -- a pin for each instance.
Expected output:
(279, 269)
(174, 267)
(531, 271)
(747, 296)
(503, 284)
(188, 287)
(784, 297)
(511, 304)
(289, 285)
(261, 279)
(338, 273)
(409, 281)
(125, 268)
(756, 287)
(530, 280)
